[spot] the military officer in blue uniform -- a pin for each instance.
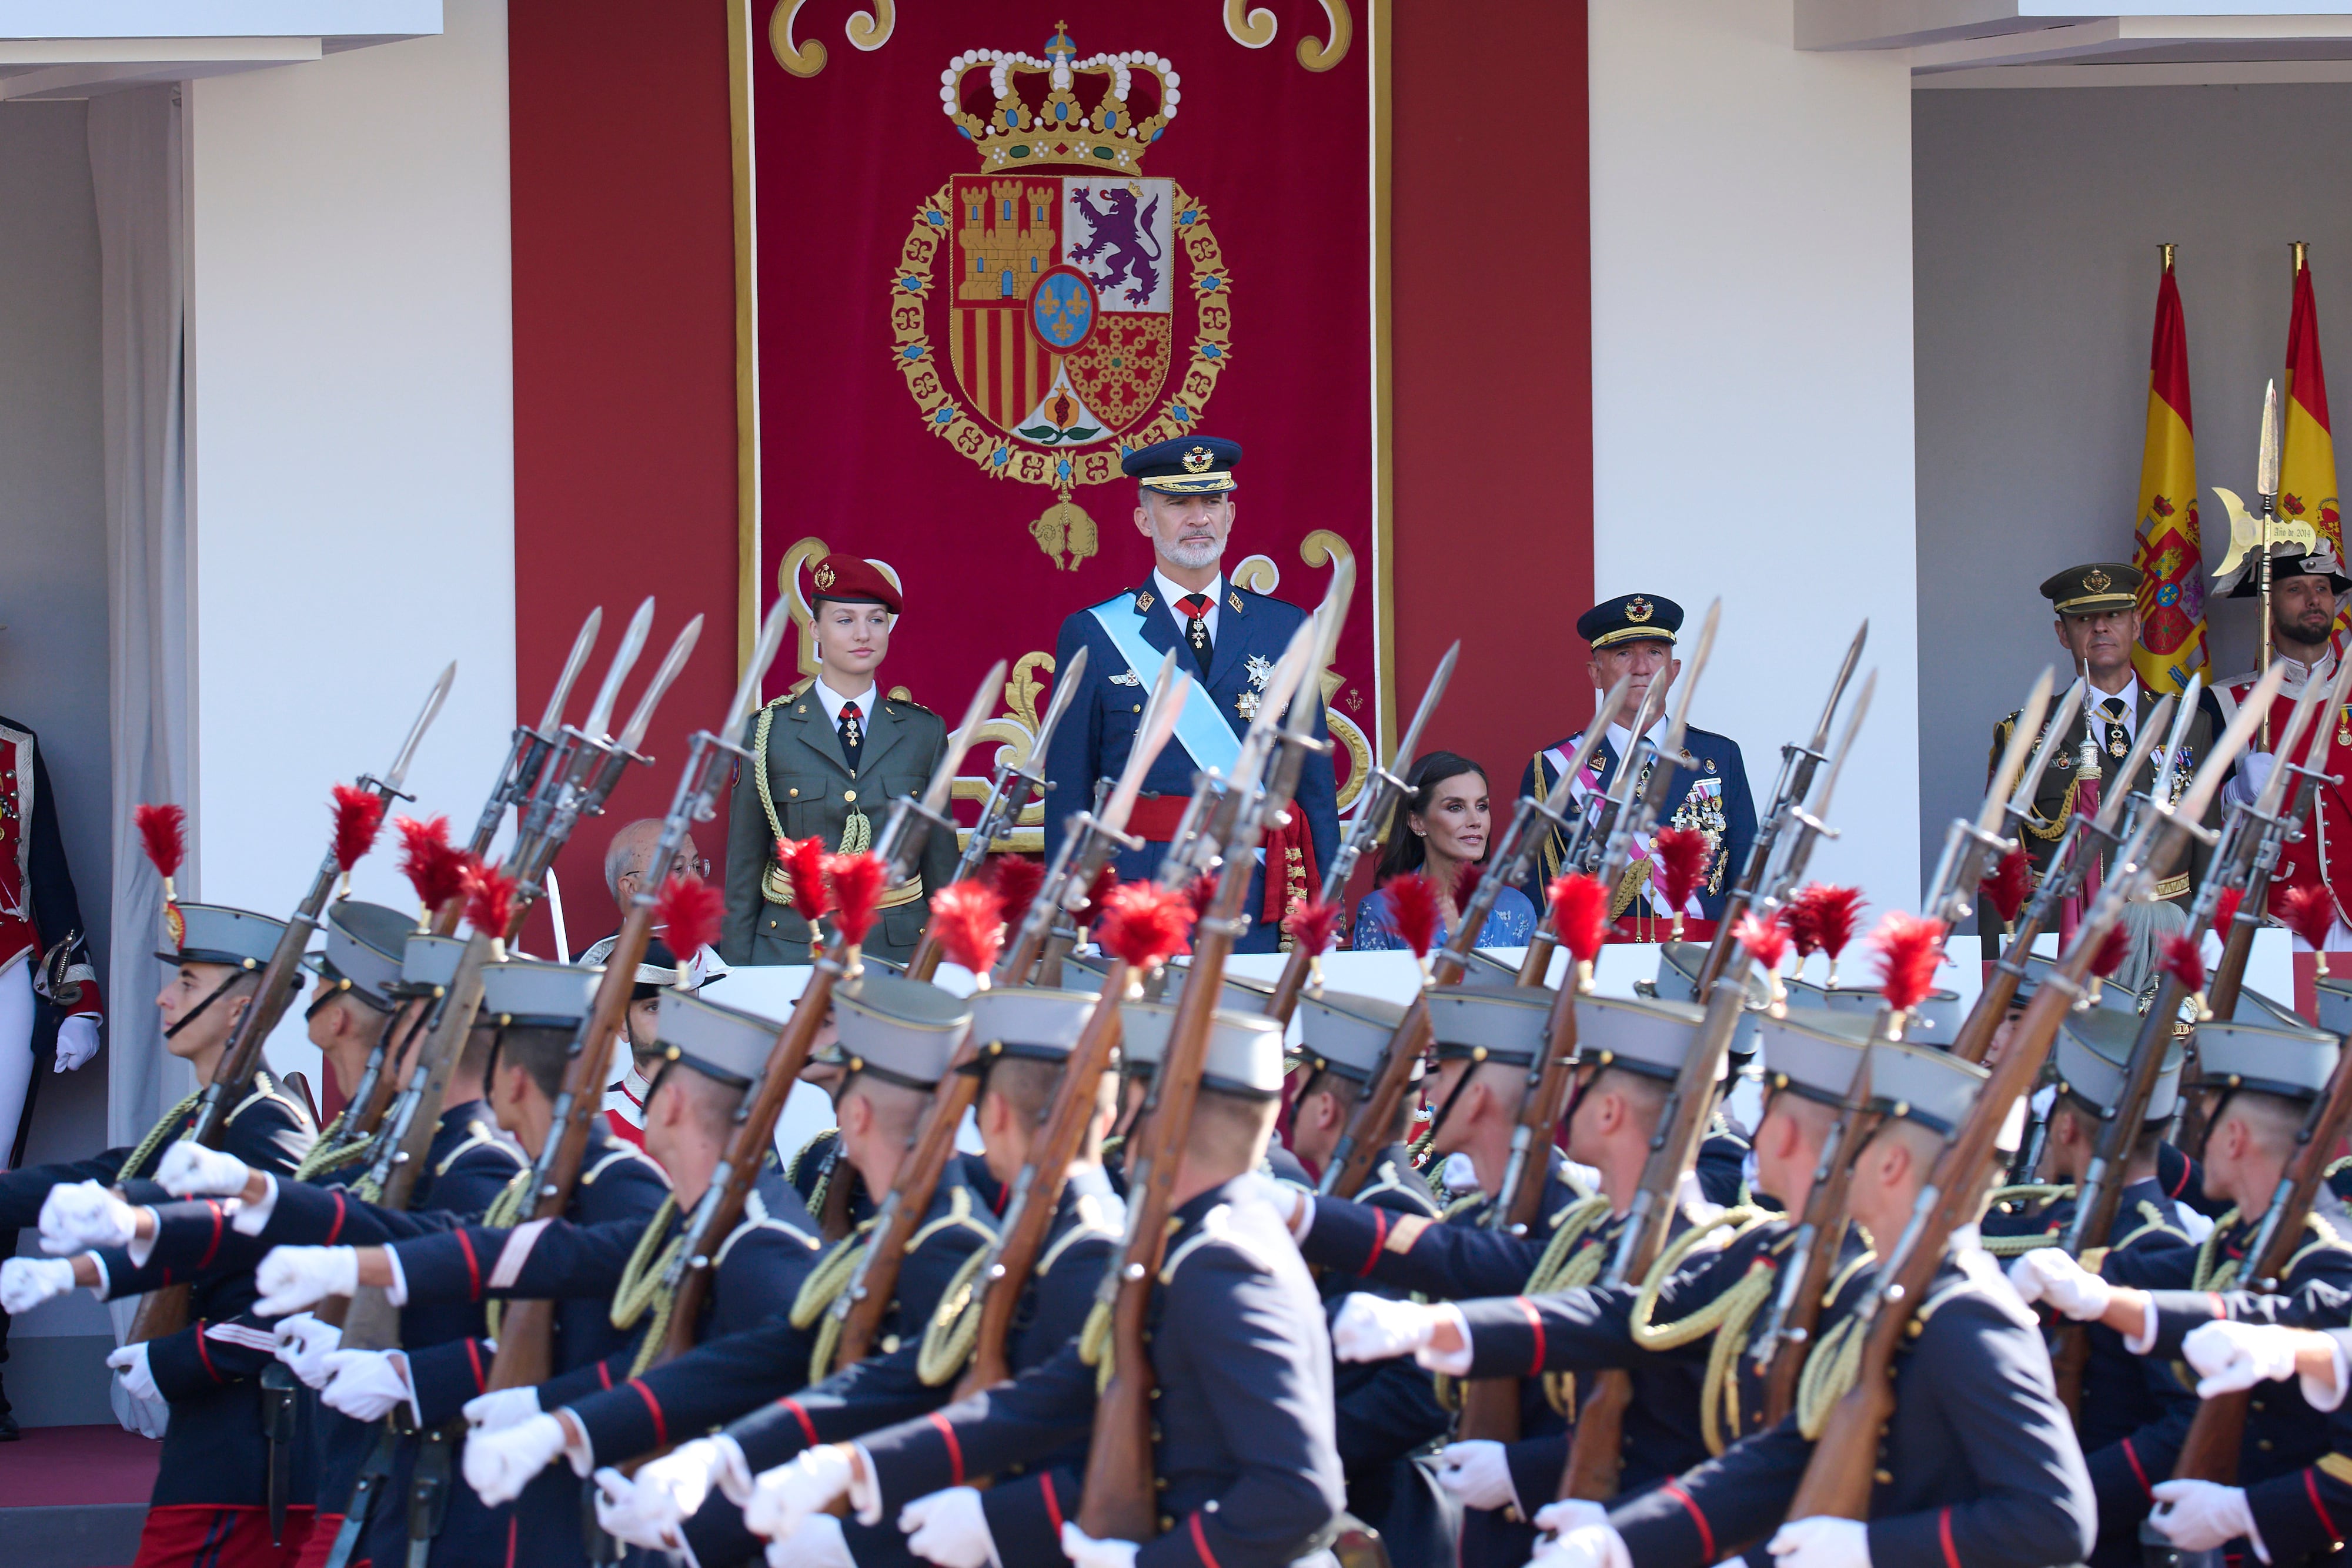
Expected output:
(1632, 636)
(1228, 641)
(1242, 1434)
(213, 1483)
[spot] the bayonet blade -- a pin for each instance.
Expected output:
(1329, 617)
(1681, 725)
(2111, 809)
(2184, 712)
(935, 793)
(1621, 788)
(1819, 805)
(1429, 700)
(599, 723)
(2054, 740)
(2298, 720)
(1168, 696)
(1557, 802)
(746, 700)
(657, 688)
(1066, 691)
(582, 646)
(1997, 792)
(2232, 740)
(1837, 688)
(397, 773)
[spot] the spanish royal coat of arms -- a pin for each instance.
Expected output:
(1058, 308)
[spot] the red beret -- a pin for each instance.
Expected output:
(853, 582)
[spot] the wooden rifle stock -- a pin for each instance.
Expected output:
(2210, 1452)
(1037, 1187)
(1825, 1216)
(841, 1184)
(1120, 1501)
(1360, 1147)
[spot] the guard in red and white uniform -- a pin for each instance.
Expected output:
(48, 992)
(2305, 590)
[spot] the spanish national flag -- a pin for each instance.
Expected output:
(2307, 451)
(2168, 549)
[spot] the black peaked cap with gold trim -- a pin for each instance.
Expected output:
(1630, 618)
(1188, 465)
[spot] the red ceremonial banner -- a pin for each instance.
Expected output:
(997, 246)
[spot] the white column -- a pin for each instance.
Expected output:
(351, 448)
(1752, 381)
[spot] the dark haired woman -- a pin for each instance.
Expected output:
(1446, 825)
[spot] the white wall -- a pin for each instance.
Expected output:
(1752, 380)
(351, 446)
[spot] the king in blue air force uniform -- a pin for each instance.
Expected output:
(1634, 635)
(1228, 641)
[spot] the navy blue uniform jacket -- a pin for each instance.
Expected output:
(1711, 797)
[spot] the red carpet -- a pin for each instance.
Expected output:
(70, 1467)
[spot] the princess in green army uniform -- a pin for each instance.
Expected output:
(828, 759)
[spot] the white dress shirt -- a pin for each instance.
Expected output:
(2128, 696)
(835, 702)
(1170, 591)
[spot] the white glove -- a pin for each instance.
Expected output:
(137, 1381)
(1585, 1546)
(191, 1170)
(1478, 1474)
(1823, 1541)
(1569, 1513)
(499, 1465)
(2255, 769)
(817, 1544)
(501, 1408)
(304, 1343)
(77, 1042)
(2230, 1356)
(293, 1279)
(949, 1528)
(667, 1491)
(783, 1497)
(624, 1513)
(2198, 1516)
(1374, 1328)
(1085, 1551)
(27, 1282)
(364, 1385)
(77, 1216)
(2047, 1274)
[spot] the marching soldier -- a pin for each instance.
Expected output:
(1242, 1434)
(2097, 625)
(212, 1487)
(1228, 641)
(1632, 636)
(830, 758)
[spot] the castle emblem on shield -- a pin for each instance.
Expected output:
(1059, 307)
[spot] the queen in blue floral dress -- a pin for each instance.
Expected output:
(1447, 823)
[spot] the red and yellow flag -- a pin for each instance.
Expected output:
(2307, 450)
(2167, 546)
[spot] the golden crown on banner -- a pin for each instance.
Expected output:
(1103, 111)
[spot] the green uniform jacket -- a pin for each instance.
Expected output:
(813, 790)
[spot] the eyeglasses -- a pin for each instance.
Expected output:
(700, 866)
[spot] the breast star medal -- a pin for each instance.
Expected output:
(1259, 671)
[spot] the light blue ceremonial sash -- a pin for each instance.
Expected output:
(1201, 730)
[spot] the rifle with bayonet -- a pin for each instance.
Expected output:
(1814, 1249)
(1358, 1153)
(1087, 847)
(406, 1143)
(1375, 805)
(1120, 1501)
(165, 1310)
(693, 1269)
(1535, 965)
(1838, 1477)
(1008, 796)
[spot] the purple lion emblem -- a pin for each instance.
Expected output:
(1123, 239)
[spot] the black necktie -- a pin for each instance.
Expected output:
(853, 735)
(1195, 607)
(2119, 738)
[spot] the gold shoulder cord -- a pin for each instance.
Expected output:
(2215, 1272)
(506, 1211)
(776, 885)
(640, 1285)
(1568, 1259)
(1728, 1318)
(159, 1134)
(955, 1328)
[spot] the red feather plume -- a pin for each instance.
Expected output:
(1412, 909)
(2185, 961)
(1910, 946)
(1098, 892)
(1836, 912)
(1202, 892)
(1580, 913)
(969, 919)
(2225, 910)
(2308, 912)
(2007, 887)
(163, 833)
(1798, 919)
(1766, 941)
(359, 814)
(857, 891)
(435, 867)
(1682, 855)
(1017, 879)
(1313, 925)
(2112, 948)
(688, 910)
(1145, 924)
(489, 900)
(804, 861)
(1466, 878)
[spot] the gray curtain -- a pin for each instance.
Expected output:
(135, 168)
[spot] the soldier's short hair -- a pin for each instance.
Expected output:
(1025, 1082)
(1230, 1129)
(541, 1051)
